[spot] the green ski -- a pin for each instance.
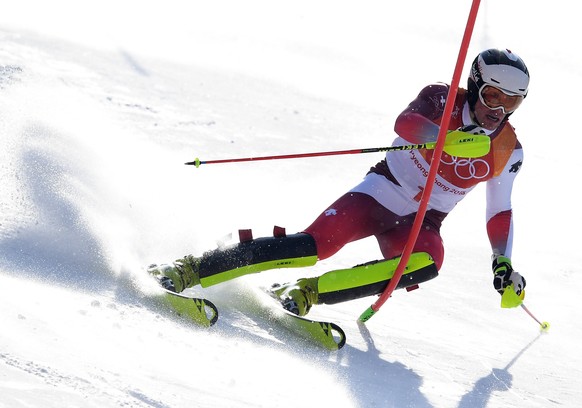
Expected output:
(200, 311)
(204, 313)
(326, 334)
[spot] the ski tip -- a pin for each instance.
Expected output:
(200, 311)
(211, 311)
(340, 336)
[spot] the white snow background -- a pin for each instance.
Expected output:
(101, 103)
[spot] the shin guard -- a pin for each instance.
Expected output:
(372, 278)
(257, 255)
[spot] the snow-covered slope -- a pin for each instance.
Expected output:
(100, 107)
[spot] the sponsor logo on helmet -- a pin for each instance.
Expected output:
(476, 71)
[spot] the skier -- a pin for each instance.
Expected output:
(385, 203)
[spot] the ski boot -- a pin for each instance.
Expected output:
(297, 297)
(182, 274)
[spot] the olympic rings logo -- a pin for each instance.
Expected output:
(466, 169)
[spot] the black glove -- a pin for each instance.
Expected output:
(472, 130)
(505, 276)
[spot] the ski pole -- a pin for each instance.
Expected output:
(433, 169)
(544, 326)
(457, 143)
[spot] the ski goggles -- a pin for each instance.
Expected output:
(494, 98)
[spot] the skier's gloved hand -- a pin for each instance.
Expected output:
(509, 283)
(472, 129)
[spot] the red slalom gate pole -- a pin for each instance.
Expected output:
(433, 167)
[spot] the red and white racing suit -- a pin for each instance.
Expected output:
(385, 203)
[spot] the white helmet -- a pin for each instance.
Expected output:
(501, 69)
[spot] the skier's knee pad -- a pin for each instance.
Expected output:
(257, 255)
(372, 278)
